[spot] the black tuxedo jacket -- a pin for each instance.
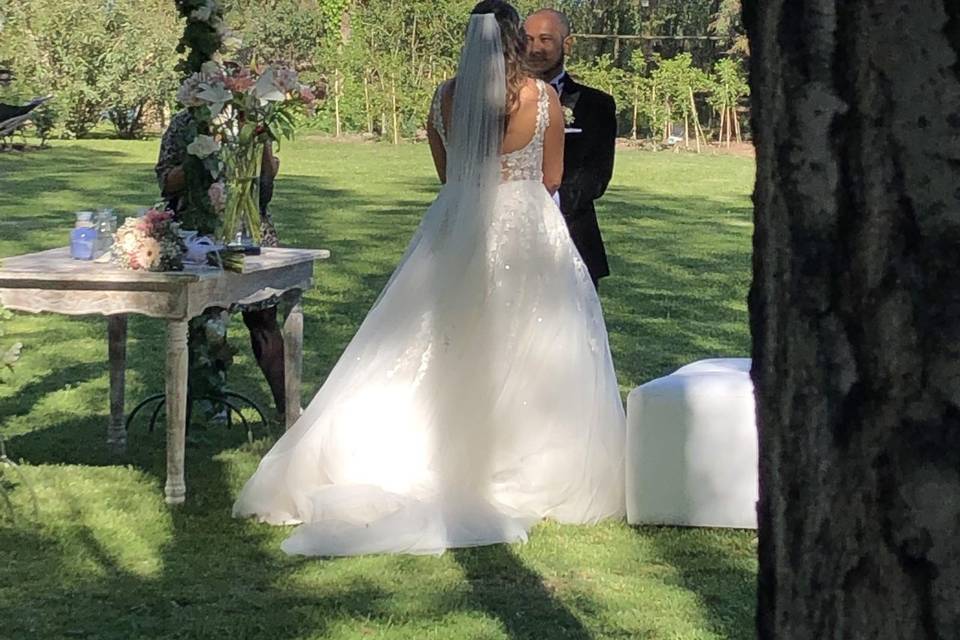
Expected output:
(587, 168)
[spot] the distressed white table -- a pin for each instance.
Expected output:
(52, 282)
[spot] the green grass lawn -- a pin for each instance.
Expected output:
(103, 556)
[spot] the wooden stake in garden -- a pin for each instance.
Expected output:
(396, 113)
(336, 101)
(366, 103)
(697, 131)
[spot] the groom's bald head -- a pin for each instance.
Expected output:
(560, 21)
(548, 42)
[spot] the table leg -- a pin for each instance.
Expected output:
(177, 357)
(117, 351)
(293, 360)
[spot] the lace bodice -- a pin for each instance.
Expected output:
(523, 164)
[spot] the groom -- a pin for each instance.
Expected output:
(590, 139)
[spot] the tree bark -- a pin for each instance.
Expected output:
(855, 314)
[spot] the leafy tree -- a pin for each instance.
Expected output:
(139, 68)
(284, 30)
(728, 86)
(114, 55)
(681, 82)
(727, 23)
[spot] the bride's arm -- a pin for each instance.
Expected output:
(553, 145)
(437, 150)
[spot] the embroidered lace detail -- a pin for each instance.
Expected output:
(522, 164)
(527, 163)
(436, 113)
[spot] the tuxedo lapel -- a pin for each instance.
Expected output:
(571, 92)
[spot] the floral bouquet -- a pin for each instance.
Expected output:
(149, 243)
(241, 109)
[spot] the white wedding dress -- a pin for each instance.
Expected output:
(477, 397)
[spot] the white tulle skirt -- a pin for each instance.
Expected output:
(477, 397)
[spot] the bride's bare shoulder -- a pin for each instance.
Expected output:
(529, 90)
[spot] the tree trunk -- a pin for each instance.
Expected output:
(855, 314)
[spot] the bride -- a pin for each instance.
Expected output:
(478, 396)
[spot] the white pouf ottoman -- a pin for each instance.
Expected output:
(692, 447)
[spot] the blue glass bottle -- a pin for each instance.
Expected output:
(83, 241)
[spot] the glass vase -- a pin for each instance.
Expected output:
(241, 215)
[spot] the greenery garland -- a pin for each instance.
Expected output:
(210, 354)
(204, 34)
(203, 37)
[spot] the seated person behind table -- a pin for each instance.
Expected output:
(266, 337)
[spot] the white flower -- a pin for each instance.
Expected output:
(266, 88)
(203, 146)
(286, 80)
(201, 15)
(225, 117)
(128, 241)
(211, 69)
(188, 94)
(216, 96)
(218, 196)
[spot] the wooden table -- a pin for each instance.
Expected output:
(52, 282)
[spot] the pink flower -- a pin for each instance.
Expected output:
(154, 221)
(307, 95)
(239, 83)
(148, 257)
(218, 196)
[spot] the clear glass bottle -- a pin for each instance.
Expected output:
(106, 225)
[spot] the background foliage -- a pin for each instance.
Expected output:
(117, 60)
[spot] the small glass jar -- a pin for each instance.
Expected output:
(106, 225)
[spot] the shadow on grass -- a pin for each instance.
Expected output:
(86, 593)
(501, 586)
(724, 584)
(679, 280)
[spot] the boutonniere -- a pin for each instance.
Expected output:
(568, 117)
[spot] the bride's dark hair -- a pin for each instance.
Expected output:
(514, 41)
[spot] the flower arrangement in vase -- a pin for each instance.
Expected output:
(242, 109)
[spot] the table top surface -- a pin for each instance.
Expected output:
(56, 265)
